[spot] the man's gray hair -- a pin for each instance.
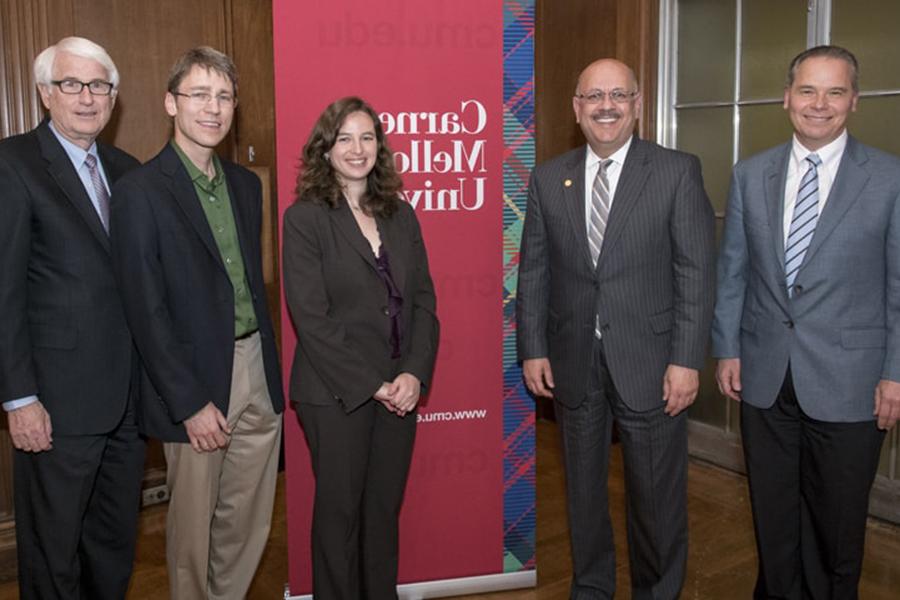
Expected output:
(77, 46)
(835, 52)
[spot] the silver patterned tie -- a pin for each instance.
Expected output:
(99, 190)
(803, 223)
(600, 203)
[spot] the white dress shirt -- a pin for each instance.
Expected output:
(830, 154)
(613, 171)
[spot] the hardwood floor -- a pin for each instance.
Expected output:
(721, 563)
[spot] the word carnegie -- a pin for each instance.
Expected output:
(446, 144)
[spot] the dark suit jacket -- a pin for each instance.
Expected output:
(338, 304)
(63, 334)
(840, 330)
(653, 286)
(177, 294)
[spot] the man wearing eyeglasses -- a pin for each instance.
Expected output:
(66, 355)
(186, 233)
(614, 302)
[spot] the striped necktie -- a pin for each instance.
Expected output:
(99, 190)
(803, 223)
(600, 204)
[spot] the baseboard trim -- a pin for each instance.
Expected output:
(456, 587)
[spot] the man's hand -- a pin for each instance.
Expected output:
(538, 376)
(680, 385)
(405, 390)
(208, 429)
(728, 376)
(30, 428)
(887, 403)
(384, 396)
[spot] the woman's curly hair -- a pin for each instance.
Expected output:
(318, 181)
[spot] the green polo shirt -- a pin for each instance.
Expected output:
(213, 197)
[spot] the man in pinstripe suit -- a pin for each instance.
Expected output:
(615, 297)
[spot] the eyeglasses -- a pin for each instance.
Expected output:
(204, 98)
(597, 96)
(96, 87)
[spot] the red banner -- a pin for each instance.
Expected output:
(434, 72)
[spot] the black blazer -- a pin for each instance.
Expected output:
(177, 294)
(653, 286)
(63, 334)
(338, 304)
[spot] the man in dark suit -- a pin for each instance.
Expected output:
(807, 330)
(616, 282)
(66, 359)
(186, 233)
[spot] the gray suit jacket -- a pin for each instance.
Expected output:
(839, 332)
(653, 286)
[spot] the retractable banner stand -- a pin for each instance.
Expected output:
(452, 81)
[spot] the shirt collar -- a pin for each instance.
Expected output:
(76, 153)
(196, 175)
(618, 157)
(829, 153)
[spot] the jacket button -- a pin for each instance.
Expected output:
(798, 289)
(789, 324)
(384, 309)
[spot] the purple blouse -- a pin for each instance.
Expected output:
(395, 300)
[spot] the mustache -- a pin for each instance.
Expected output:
(608, 113)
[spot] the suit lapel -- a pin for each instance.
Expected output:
(635, 171)
(850, 180)
(346, 224)
(572, 182)
(241, 205)
(774, 180)
(63, 173)
(182, 189)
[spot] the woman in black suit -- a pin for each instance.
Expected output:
(358, 288)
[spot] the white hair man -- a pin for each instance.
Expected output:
(66, 356)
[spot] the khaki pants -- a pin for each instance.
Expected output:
(220, 506)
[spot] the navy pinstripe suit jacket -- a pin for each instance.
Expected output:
(652, 290)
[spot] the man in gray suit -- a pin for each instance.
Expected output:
(807, 330)
(616, 284)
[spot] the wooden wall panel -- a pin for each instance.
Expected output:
(568, 36)
(637, 33)
(144, 39)
(251, 47)
(26, 26)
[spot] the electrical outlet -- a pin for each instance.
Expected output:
(155, 495)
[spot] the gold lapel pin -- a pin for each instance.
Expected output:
(567, 183)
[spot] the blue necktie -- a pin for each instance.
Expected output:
(803, 224)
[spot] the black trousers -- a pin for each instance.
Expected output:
(76, 514)
(809, 490)
(361, 462)
(654, 448)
